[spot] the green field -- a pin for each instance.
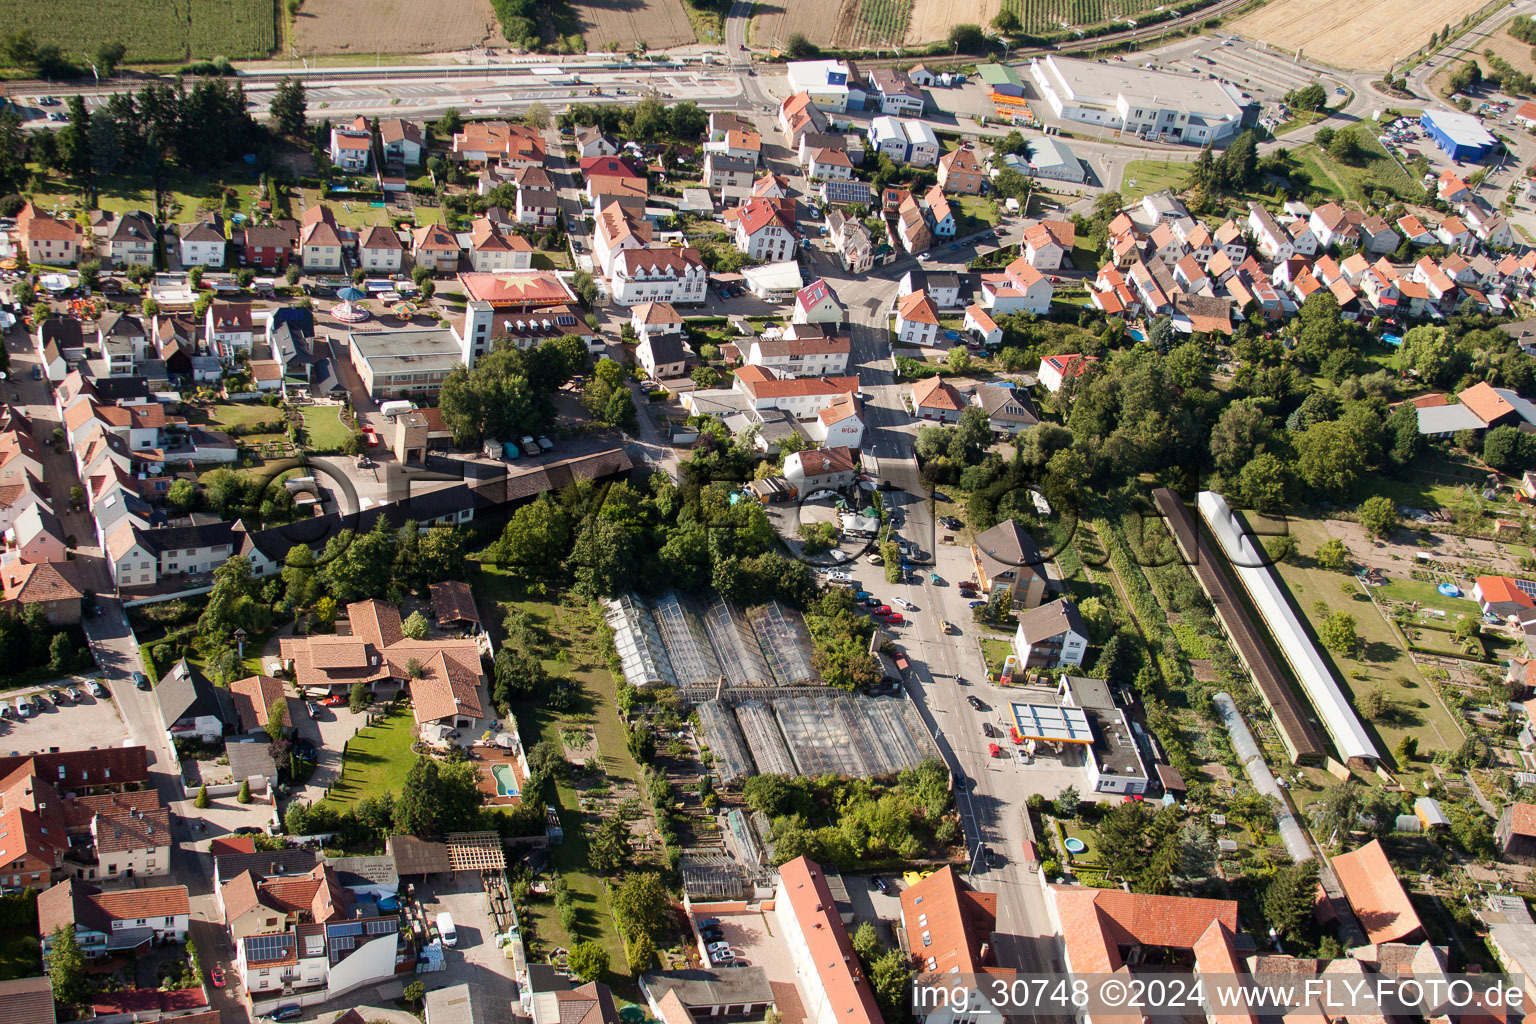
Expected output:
(1040, 17)
(883, 22)
(224, 415)
(376, 761)
(1143, 177)
(159, 32)
(1355, 181)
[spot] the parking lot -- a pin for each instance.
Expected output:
(754, 939)
(94, 722)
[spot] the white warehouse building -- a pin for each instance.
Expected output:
(1151, 104)
(834, 85)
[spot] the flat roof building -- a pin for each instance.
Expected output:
(833, 85)
(1461, 136)
(404, 363)
(1149, 104)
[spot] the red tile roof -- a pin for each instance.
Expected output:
(934, 393)
(1486, 403)
(810, 900)
(948, 922)
(1097, 923)
(1376, 896)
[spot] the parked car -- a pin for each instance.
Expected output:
(977, 604)
(904, 603)
(60, 697)
(75, 694)
(895, 619)
(715, 947)
(217, 977)
(23, 708)
(881, 884)
(721, 958)
(97, 689)
(140, 681)
(706, 922)
(6, 711)
(289, 1011)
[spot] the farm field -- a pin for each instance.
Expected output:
(394, 26)
(657, 23)
(1040, 17)
(815, 19)
(932, 19)
(161, 32)
(877, 23)
(1370, 35)
(1501, 43)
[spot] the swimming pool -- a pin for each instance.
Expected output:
(1392, 339)
(506, 780)
(1136, 333)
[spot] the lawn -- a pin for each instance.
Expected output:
(245, 415)
(1143, 177)
(571, 631)
(979, 211)
(1380, 660)
(1299, 119)
(323, 425)
(375, 762)
(351, 213)
(1427, 596)
(995, 650)
(119, 193)
(1435, 482)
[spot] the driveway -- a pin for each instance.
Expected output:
(476, 959)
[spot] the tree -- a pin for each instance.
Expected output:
(1406, 750)
(891, 978)
(108, 56)
(1324, 136)
(202, 800)
(801, 48)
(60, 652)
(536, 539)
(289, 108)
(1376, 704)
(1378, 514)
(66, 967)
(967, 38)
(182, 495)
(275, 716)
(415, 993)
(1345, 147)
(357, 698)
(1006, 21)
(415, 626)
(536, 116)
(641, 955)
(1333, 555)
(609, 849)
(244, 796)
(588, 960)
(1065, 804)
(642, 905)
(866, 942)
(1290, 897)
(1338, 633)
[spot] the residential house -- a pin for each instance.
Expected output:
(613, 175)
(592, 142)
(256, 700)
(820, 469)
(803, 397)
(203, 243)
(662, 356)
(817, 303)
(1414, 230)
(939, 213)
(351, 145)
(827, 974)
(112, 923)
(1451, 188)
(912, 226)
(402, 141)
(722, 169)
(895, 92)
(617, 229)
(434, 247)
(840, 423)
(1051, 635)
(852, 242)
(917, 319)
(651, 318)
(933, 398)
(905, 141)
(271, 246)
(828, 164)
(1007, 558)
(1454, 232)
(1048, 242)
(46, 241)
(228, 329)
(49, 586)
(960, 173)
(982, 327)
(1332, 226)
(811, 352)
(1100, 930)
(319, 239)
(1054, 370)
(1020, 288)
(538, 204)
(946, 927)
(36, 535)
(491, 250)
(764, 233)
(798, 114)
(1008, 410)
(380, 249)
(191, 706)
(132, 241)
(1275, 242)
(662, 274)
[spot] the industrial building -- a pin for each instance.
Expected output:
(1049, 157)
(1461, 136)
(1150, 104)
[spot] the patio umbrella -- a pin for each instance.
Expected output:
(350, 294)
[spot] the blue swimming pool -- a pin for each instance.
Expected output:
(506, 780)
(1136, 333)
(1392, 339)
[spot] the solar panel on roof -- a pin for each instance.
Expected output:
(380, 926)
(267, 947)
(1527, 586)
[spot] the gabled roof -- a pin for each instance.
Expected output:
(1503, 590)
(917, 307)
(1096, 924)
(655, 313)
(948, 923)
(380, 236)
(1375, 894)
(184, 692)
(1485, 402)
(810, 900)
(1048, 620)
(935, 393)
(758, 214)
(254, 697)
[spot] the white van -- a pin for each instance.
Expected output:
(445, 929)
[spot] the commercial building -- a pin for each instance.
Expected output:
(1001, 79)
(1114, 763)
(833, 85)
(1049, 157)
(1461, 136)
(396, 364)
(1150, 104)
